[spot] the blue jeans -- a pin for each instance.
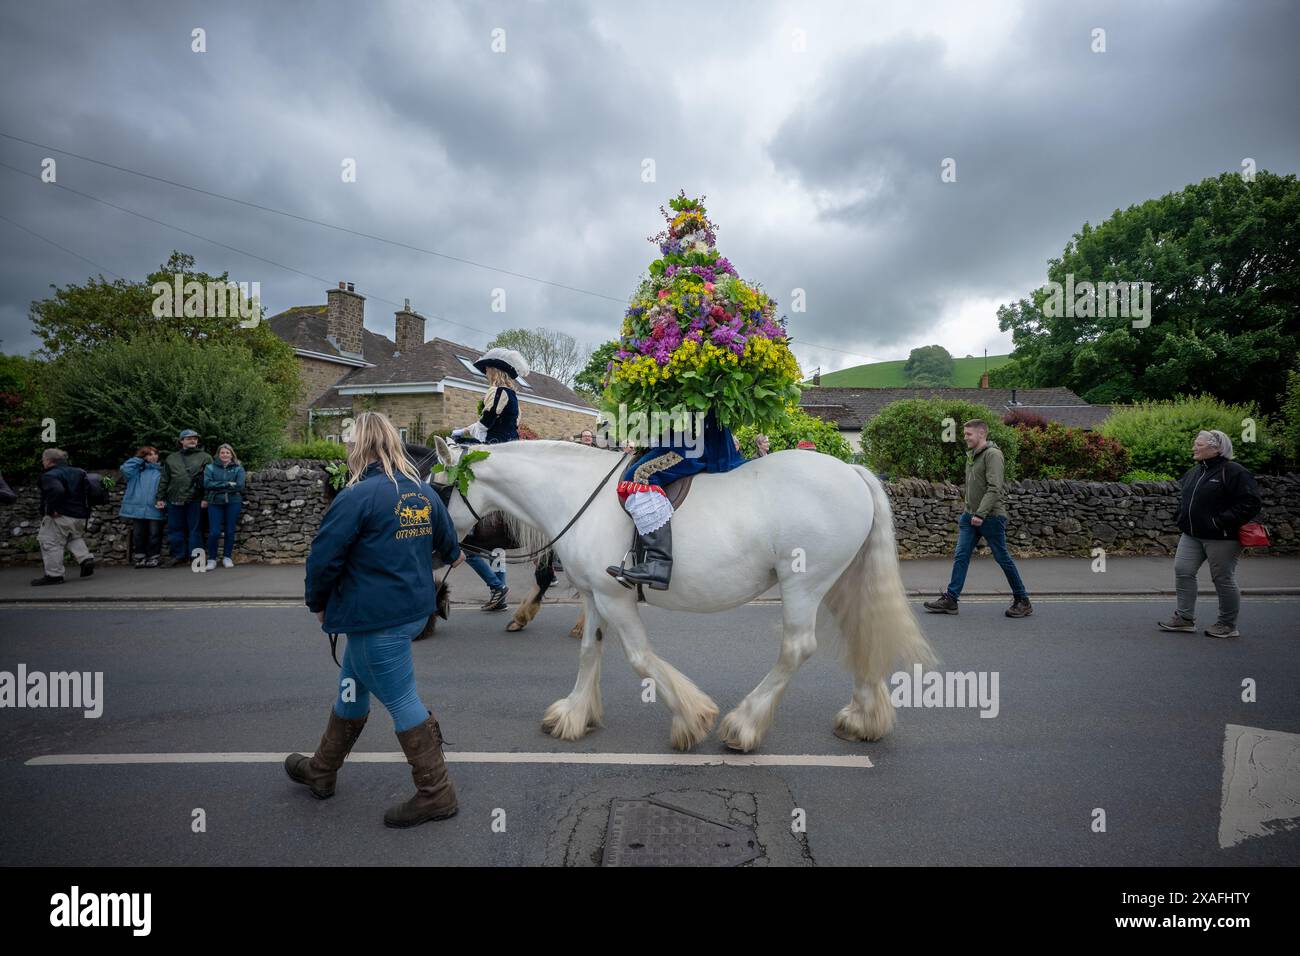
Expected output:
(222, 520)
(994, 531)
(183, 528)
(483, 568)
(380, 662)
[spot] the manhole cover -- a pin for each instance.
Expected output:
(650, 833)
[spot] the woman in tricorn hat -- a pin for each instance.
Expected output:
(498, 423)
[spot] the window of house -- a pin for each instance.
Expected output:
(402, 433)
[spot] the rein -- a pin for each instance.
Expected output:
(572, 521)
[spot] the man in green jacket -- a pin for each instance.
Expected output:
(181, 488)
(985, 516)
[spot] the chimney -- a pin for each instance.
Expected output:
(409, 329)
(346, 318)
(984, 380)
(1013, 397)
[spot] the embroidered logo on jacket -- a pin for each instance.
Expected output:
(413, 512)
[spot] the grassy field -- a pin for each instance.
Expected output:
(966, 373)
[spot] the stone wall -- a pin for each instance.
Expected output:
(284, 503)
(1073, 517)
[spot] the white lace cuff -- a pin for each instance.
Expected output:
(650, 510)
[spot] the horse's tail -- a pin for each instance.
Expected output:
(878, 628)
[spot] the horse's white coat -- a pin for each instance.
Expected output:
(798, 519)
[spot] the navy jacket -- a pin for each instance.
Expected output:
(371, 563)
(1218, 497)
(64, 490)
(502, 419)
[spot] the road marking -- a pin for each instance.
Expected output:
(676, 760)
(1261, 783)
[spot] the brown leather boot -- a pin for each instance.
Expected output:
(320, 770)
(435, 797)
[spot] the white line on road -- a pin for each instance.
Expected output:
(679, 760)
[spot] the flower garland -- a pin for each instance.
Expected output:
(696, 335)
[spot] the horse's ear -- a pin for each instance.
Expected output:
(443, 449)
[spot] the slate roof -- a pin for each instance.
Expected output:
(851, 408)
(304, 327)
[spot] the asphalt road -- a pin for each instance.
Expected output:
(1096, 709)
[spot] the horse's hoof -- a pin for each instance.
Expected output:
(514, 626)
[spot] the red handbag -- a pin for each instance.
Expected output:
(1253, 535)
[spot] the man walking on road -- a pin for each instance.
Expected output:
(985, 516)
(65, 506)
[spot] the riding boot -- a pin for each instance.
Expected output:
(321, 770)
(655, 566)
(435, 797)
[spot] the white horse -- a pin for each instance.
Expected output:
(819, 528)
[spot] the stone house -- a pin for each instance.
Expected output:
(851, 408)
(421, 386)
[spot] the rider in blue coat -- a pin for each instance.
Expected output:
(642, 494)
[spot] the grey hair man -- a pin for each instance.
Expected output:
(65, 506)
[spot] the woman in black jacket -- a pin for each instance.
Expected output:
(1219, 495)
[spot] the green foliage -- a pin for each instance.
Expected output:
(461, 474)
(338, 472)
(80, 318)
(1223, 257)
(1289, 430)
(906, 440)
(1140, 474)
(317, 450)
(1058, 451)
(1159, 435)
(929, 366)
(797, 426)
(590, 381)
(22, 406)
(130, 392)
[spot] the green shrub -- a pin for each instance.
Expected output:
(797, 426)
(1139, 474)
(317, 450)
(1290, 415)
(1058, 451)
(906, 440)
(22, 407)
(1159, 435)
(129, 392)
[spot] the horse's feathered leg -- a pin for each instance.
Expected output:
(693, 710)
(570, 717)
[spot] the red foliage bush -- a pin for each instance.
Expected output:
(1022, 417)
(1056, 451)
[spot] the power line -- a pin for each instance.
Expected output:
(344, 229)
(216, 242)
(63, 248)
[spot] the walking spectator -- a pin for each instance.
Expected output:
(763, 445)
(182, 489)
(142, 507)
(65, 506)
(223, 496)
(1219, 495)
(985, 516)
(370, 575)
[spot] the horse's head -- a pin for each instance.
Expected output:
(461, 516)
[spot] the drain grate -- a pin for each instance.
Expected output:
(650, 833)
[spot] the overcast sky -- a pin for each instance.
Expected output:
(817, 130)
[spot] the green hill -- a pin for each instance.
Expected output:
(965, 374)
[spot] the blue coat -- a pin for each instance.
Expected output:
(142, 480)
(371, 564)
(223, 484)
(663, 465)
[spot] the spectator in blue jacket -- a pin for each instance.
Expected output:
(223, 497)
(370, 575)
(142, 507)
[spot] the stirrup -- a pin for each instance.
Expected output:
(622, 566)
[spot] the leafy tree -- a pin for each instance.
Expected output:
(907, 439)
(144, 390)
(22, 407)
(1223, 257)
(551, 353)
(79, 318)
(929, 366)
(1290, 416)
(591, 380)
(797, 426)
